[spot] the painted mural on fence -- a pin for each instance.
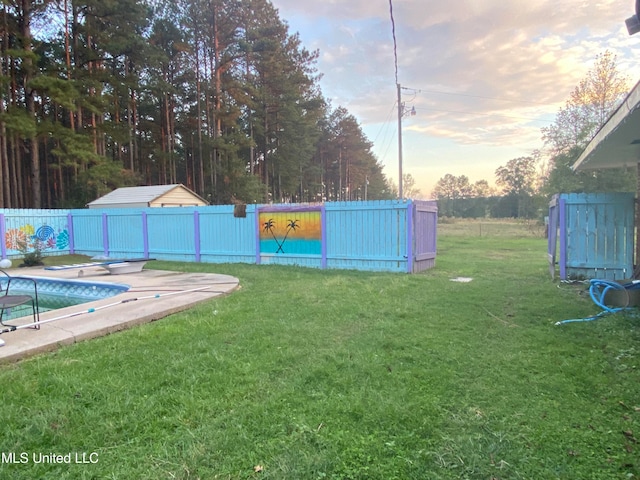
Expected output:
(291, 233)
(27, 238)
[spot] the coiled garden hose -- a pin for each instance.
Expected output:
(599, 289)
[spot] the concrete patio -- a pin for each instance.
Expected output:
(153, 294)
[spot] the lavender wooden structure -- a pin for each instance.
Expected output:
(591, 235)
(397, 236)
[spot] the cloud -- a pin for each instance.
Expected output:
(485, 73)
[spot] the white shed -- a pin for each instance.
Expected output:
(176, 195)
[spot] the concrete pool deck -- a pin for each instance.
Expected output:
(153, 294)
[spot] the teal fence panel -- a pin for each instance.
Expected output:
(24, 230)
(88, 232)
(367, 235)
(171, 233)
(596, 235)
(225, 238)
(125, 237)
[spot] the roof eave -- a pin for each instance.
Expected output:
(617, 143)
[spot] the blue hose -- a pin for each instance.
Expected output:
(597, 291)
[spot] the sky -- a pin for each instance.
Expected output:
(484, 76)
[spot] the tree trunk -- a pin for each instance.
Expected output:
(216, 94)
(16, 174)
(32, 141)
(5, 185)
(130, 123)
(200, 161)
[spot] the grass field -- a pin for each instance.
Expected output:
(309, 374)
(491, 227)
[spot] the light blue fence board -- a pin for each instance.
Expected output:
(171, 233)
(311, 261)
(225, 238)
(596, 235)
(87, 232)
(125, 237)
(367, 235)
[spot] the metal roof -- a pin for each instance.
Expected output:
(617, 143)
(144, 194)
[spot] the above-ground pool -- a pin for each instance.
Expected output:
(54, 293)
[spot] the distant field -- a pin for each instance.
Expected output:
(491, 227)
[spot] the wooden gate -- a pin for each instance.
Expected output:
(425, 222)
(591, 235)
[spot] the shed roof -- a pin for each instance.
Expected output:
(138, 195)
(617, 143)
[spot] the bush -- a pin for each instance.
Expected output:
(34, 257)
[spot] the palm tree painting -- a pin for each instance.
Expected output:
(269, 226)
(283, 233)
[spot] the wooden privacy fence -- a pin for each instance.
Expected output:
(591, 235)
(398, 236)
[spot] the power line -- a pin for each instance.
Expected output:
(393, 32)
(483, 97)
(387, 142)
(519, 117)
(386, 123)
(487, 114)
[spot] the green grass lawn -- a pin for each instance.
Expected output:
(309, 374)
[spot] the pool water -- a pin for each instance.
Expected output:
(54, 293)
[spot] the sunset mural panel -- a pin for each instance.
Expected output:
(291, 232)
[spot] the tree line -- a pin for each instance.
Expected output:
(525, 184)
(215, 94)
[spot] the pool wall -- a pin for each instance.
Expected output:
(55, 293)
(55, 286)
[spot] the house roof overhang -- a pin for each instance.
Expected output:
(617, 143)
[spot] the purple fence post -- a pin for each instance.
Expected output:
(145, 235)
(105, 234)
(72, 245)
(410, 231)
(562, 221)
(323, 236)
(257, 235)
(196, 233)
(3, 243)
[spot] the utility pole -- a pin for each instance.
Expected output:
(366, 186)
(340, 197)
(400, 114)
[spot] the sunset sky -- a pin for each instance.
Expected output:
(484, 76)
